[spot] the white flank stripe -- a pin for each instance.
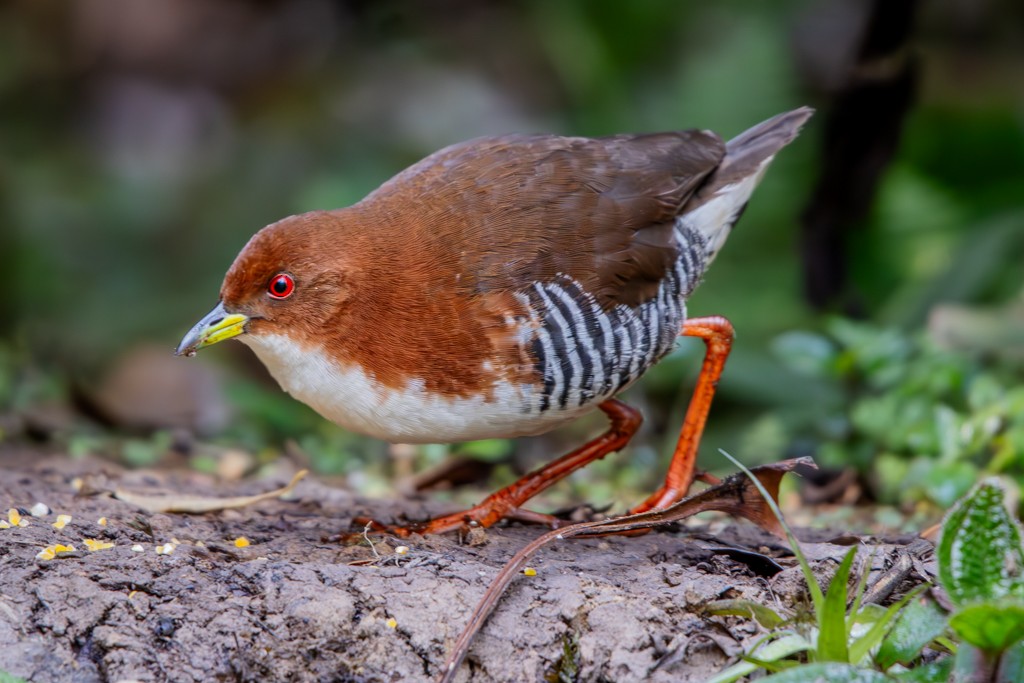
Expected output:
(551, 364)
(569, 337)
(625, 347)
(607, 368)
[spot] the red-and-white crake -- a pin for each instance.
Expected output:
(502, 287)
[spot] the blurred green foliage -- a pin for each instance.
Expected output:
(919, 421)
(142, 148)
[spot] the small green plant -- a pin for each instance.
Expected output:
(981, 570)
(839, 643)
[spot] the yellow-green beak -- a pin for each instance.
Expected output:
(216, 326)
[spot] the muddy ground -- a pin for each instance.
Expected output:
(294, 606)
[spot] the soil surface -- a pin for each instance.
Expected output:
(295, 606)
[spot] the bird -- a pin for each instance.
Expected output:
(502, 287)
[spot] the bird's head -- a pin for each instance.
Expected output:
(290, 279)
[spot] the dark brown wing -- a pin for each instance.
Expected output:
(532, 207)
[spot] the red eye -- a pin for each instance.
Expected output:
(282, 286)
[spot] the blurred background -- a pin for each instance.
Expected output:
(876, 281)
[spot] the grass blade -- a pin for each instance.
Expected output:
(832, 631)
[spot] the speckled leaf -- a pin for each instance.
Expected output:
(979, 554)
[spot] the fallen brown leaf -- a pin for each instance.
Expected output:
(175, 502)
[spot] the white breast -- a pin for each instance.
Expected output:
(349, 397)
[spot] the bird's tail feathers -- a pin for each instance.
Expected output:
(716, 206)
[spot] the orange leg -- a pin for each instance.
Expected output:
(718, 334)
(625, 421)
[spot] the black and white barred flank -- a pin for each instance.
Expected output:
(586, 354)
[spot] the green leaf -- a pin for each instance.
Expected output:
(980, 545)
(1011, 665)
(860, 647)
(890, 476)
(806, 353)
(983, 392)
(832, 636)
(765, 616)
(989, 626)
(946, 483)
(947, 425)
(970, 665)
(932, 672)
(827, 672)
(772, 651)
(10, 678)
(919, 624)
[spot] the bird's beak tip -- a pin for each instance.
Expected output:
(183, 350)
(216, 326)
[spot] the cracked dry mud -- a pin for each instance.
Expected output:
(295, 607)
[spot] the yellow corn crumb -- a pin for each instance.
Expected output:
(391, 623)
(402, 550)
(93, 545)
(52, 551)
(165, 549)
(241, 542)
(102, 521)
(138, 548)
(529, 571)
(132, 594)
(77, 484)
(62, 521)
(15, 518)
(4, 524)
